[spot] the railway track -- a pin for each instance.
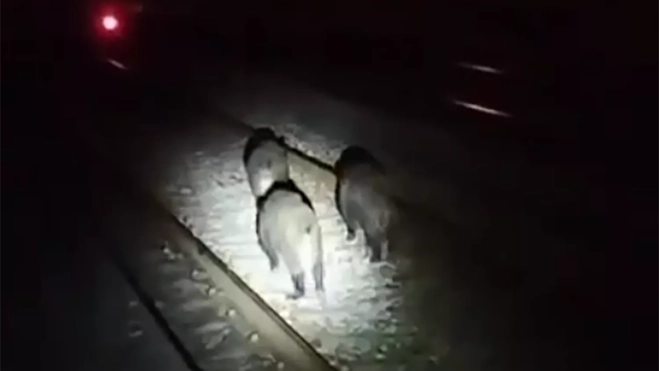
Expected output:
(225, 211)
(209, 314)
(222, 302)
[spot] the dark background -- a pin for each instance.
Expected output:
(584, 82)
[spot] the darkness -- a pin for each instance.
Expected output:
(582, 86)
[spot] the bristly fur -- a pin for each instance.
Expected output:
(362, 200)
(355, 155)
(265, 159)
(292, 227)
(259, 136)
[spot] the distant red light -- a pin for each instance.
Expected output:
(110, 22)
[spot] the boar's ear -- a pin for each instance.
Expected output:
(273, 187)
(261, 200)
(305, 199)
(259, 203)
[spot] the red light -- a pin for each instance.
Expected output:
(110, 22)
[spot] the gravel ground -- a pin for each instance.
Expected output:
(433, 307)
(357, 322)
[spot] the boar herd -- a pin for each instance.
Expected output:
(286, 224)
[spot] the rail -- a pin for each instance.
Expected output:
(286, 345)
